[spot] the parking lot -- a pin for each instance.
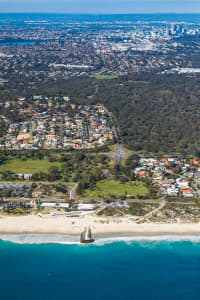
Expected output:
(17, 190)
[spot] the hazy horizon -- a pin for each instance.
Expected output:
(101, 13)
(100, 6)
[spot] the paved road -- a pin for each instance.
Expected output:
(119, 152)
(72, 193)
(118, 156)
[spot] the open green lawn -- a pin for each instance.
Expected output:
(104, 76)
(28, 166)
(106, 188)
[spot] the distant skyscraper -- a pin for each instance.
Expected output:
(173, 29)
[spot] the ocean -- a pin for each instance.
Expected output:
(17, 43)
(45, 18)
(124, 267)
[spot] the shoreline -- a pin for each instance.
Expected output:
(74, 226)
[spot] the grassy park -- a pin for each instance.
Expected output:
(107, 188)
(27, 166)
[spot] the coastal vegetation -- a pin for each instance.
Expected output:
(178, 213)
(134, 209)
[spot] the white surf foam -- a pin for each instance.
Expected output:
(99, 240)
(154, 238)
(40, 239)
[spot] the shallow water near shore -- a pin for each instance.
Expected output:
(100, 239)
(115, 267)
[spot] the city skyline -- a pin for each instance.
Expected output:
(101, 6)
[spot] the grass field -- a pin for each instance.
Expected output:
(104, 76)
(28, 166)
(107, 188)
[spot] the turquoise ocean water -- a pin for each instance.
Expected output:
(35, 267)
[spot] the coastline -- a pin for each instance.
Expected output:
(99, 225)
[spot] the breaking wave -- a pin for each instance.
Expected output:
(40, 239)
(99, 239)
(150, 238)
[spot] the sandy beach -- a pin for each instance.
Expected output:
(74, 225)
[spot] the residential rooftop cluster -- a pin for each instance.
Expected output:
(56, 123)
(175, 177)
(42, 51)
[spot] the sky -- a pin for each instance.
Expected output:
(101, 6)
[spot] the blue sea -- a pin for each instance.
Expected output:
(20, 18)
(16, 43)
(34, 267)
